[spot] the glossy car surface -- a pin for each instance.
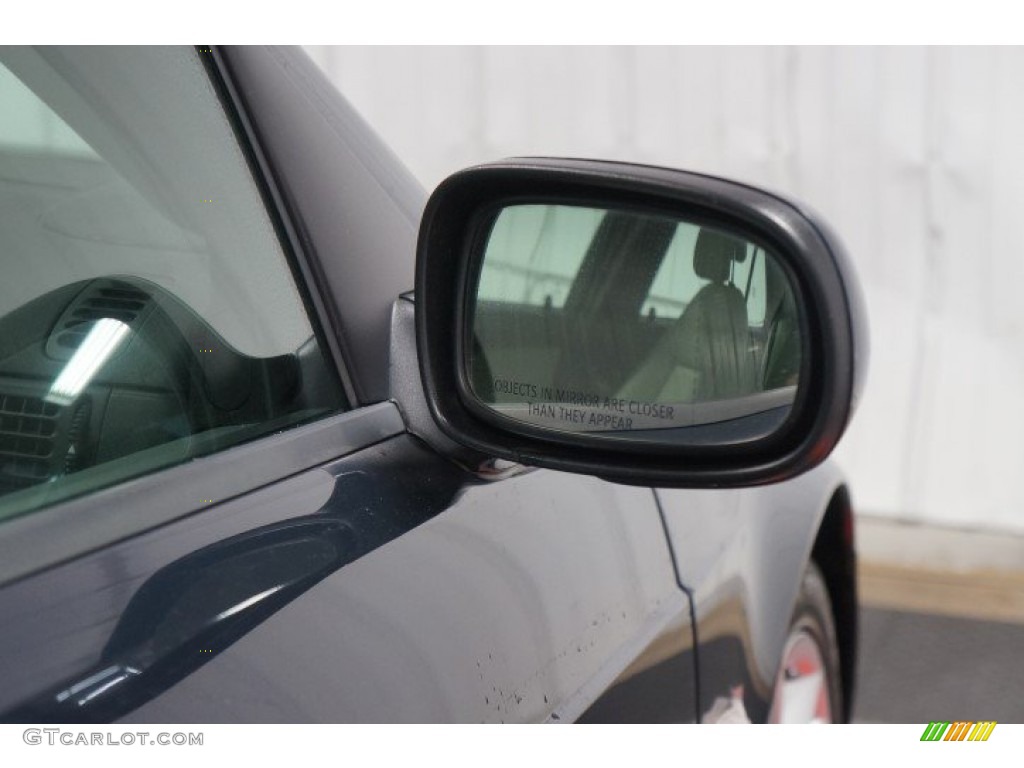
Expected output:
(352, 563)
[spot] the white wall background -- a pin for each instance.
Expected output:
(916, 156)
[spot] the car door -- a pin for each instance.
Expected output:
(219, 502)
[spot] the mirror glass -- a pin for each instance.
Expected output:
(633, 325)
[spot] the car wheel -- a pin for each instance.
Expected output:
(808, 687)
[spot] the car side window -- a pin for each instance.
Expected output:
(148, 314)
(676, 282)
(544, 246)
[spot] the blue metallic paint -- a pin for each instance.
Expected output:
(742, 555)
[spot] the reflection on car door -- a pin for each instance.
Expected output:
(524, 600)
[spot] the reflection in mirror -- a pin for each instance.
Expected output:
(639, 325)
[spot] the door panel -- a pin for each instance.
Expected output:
(742, 555)
(523, 601)
(68, 623)
(427, 601)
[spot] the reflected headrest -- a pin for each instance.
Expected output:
(713, 252)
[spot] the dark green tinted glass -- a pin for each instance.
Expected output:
(614, 321)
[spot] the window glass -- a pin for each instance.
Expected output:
(542, 247)
(148, 314)
(658, 322)
(749, 277)
(676, 282)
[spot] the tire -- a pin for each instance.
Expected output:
(808, 686)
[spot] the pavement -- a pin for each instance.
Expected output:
(942, 624)
(916, 667)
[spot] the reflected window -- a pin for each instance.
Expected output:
(148, 315)
(626, 321)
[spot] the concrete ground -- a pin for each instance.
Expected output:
(942, 634)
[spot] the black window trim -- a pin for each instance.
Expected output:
(323, 320)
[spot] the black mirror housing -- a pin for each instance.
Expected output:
(728, 452)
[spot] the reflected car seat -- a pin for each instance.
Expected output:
(710, 341)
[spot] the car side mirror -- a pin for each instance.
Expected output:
(642, 324)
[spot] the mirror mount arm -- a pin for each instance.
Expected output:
(406, 391)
